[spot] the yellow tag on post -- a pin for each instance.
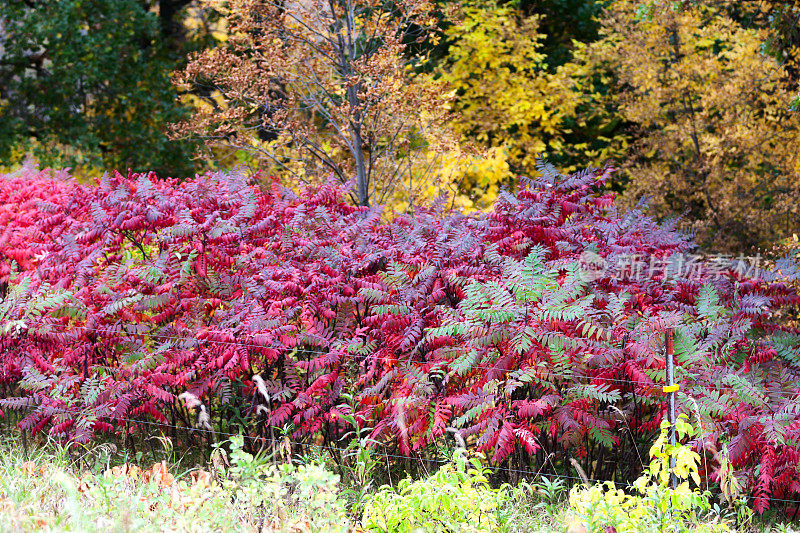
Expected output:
(671, 388)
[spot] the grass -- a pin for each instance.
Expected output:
(48, 491)
(56, 489)
(93, 490)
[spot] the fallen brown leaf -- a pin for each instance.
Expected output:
(201, 479)
(28, 468)
(83, 483)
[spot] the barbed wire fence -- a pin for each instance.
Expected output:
(211, 434)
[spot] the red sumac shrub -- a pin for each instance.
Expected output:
(534, 330)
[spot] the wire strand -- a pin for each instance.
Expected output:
(197, 342)
(306, 444)
(535, 474)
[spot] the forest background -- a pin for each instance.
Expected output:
(694, 102)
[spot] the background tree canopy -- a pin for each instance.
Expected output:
(86, 83)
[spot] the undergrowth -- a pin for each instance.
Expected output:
(48, 487)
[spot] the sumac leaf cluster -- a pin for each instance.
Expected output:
(522, 329)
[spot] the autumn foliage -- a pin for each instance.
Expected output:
(294, 312)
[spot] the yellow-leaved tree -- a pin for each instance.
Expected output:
(505, 98)
(709, 108)
(509, 99)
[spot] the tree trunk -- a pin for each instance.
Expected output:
(362, 184)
